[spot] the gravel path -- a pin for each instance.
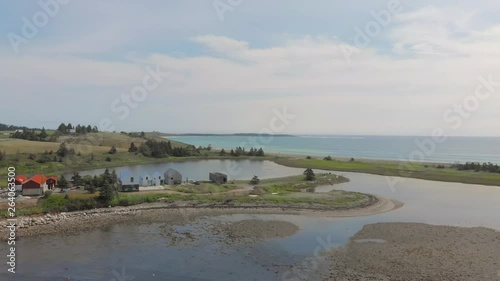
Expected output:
(418, 252)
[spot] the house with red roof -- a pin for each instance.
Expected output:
(19, 182)
(35, 186)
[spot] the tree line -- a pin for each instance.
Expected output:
(79, 129)
(478, 167)
(161, 149)
(31, 135)
(239, 151)
(5, 127)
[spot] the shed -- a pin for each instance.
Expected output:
(172, 177)
(52, 182)
(128, 182)
(35, 186)
(218, 178)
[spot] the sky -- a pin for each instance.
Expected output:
(378, 67)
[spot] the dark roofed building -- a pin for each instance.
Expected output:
(218, 178)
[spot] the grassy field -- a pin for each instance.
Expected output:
(204, 188)
(395, 169)
(13, 146)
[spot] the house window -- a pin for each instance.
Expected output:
(132, 179)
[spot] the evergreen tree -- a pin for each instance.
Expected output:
(62, 183)
(132, 148)
(222, 152)
(43, 134)
(76, 179)
(63, 150)
(260, 152)
(309, 173)
(114, 177)
(62, 128)
(106, 193)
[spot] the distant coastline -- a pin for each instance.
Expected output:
(228, 135)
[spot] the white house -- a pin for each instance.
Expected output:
(128, 182)
(146, 180)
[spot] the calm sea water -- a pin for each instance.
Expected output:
(454, 149)
(143, 251)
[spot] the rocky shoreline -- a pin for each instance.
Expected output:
(177, 212)
(417, 252)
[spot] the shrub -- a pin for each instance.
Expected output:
(124, 202)
(108, 159)
(309, 173)
(327, 158)
(255, 180)
(47, 194)
(112, 150)
(308, 157)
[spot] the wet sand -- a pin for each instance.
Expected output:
(417, 252)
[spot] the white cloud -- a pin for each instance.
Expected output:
(438, 56)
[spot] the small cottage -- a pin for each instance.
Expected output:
(51, 182)
(19, 182)
(35, 186)
(128, 182)
(218, 178)
(172, 177)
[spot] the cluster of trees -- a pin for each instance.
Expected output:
(241, 151)
(476, 166)
(161, 149)
(79, 129)
(105, 183)
(134, 135)
(5, 127)
(31, 135)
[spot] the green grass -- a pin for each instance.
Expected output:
(394, 169)
(204, 188)
(334, 198)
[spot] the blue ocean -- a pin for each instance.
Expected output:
(402, 148)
